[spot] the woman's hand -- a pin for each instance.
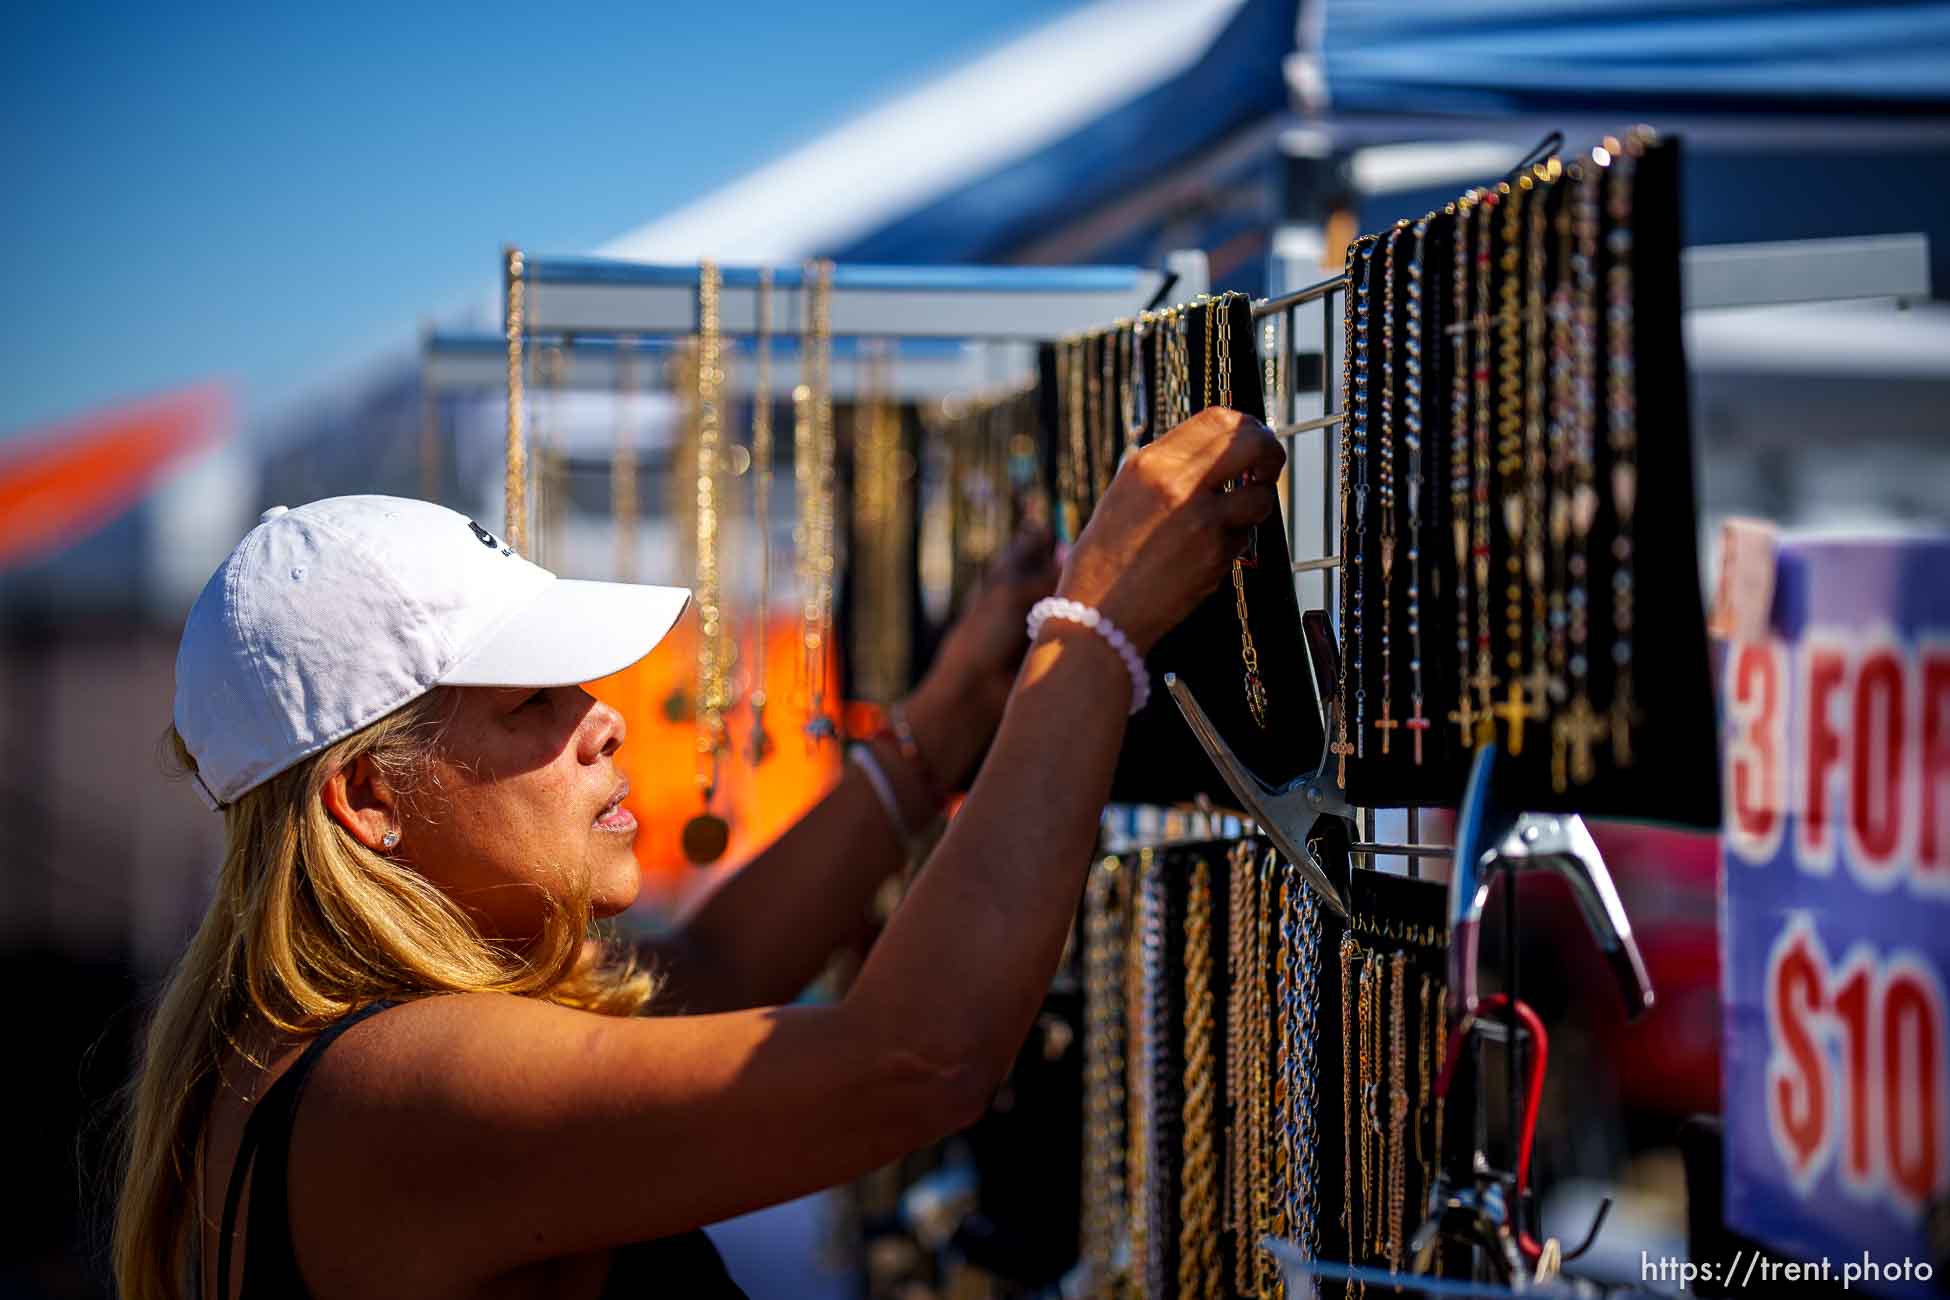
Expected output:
(1166, 532)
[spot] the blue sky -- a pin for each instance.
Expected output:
(272, 193)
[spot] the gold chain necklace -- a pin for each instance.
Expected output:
(1509, 460)
(705, 835)
(1397, 1108)
(623, 504)
(1239, 927)
(760, 746)
(1350, 954)
(819, 484)
(1221, 317)
(1543, 685)
(1109, 407)
(515, 529)
(1266, 1268)
(1199, 1270)
(1106, 935)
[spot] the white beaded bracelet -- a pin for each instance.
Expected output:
(1075, 611)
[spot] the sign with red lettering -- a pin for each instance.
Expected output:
(1836, 910)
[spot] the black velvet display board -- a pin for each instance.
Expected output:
(1388, 914)
(1672, 772)
(1162, 762)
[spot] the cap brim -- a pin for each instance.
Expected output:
(573, 632)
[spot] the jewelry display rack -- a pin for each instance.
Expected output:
(1491, 837)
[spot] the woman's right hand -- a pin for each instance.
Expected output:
(1166, 532)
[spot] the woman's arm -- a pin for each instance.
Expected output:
(768, 929)
(511, 1132)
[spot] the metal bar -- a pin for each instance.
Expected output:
(1319, 289)
(1415, 834)
(1805, 270)
(1318, 564)
(1403, 850)
(1299, 427)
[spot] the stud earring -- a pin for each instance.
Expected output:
(389, 839)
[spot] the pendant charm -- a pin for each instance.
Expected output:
(705, 838)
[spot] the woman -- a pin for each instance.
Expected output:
(422, 816)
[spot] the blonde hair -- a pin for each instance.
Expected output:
(306, 925)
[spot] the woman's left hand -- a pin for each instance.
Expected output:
(958, 705)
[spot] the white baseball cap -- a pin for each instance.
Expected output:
(328, 617)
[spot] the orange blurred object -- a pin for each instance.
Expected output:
(59, 484)
(656, 697)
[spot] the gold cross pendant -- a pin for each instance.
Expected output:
(1385, 724)
(1575, 732)
(1464, 715)
(1340, 749)
(1513, 712)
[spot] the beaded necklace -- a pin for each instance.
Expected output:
(1362, 388)
(1416, 722)
(1484, 679)
(1386, 723)
(1621, 386)
(1509, 459)
(1464, 715)
(1542, 686)
(1575, 731)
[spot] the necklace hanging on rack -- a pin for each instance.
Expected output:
(1148, 1209)
(1509, 458)
(1397, 1107)
(623, 505)
(1543, 686)
(1076, 504)
(1432, 1050)
(1363, 388)
(760, 745)
(1350, 954)
(1364, 1106)
(1200, 1273)
(1386, 723)
(1464, 714)
(818, 573)
(1105, 931)
(1485, 678)
(1136, 393)
(1110, 411)
(1579, 729)
(1353, 402)
(1263, 1200)
(1621, 386)
(1239, 944)
(1091, 475)
(706, 835)
(1221, 361)
(1416, 722)
(1562, 422)
(1300, 1056)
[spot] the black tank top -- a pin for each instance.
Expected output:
(684, 1265)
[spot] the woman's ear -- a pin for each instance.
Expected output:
(360, 799)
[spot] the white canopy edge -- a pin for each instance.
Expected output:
(919, 145)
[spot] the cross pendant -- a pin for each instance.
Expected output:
(1341, 749)
(1465, 715)
(1417, 724)
(1513, 712)
(1385, 724)
(1579, 728)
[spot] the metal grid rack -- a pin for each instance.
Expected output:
(1894, 267)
